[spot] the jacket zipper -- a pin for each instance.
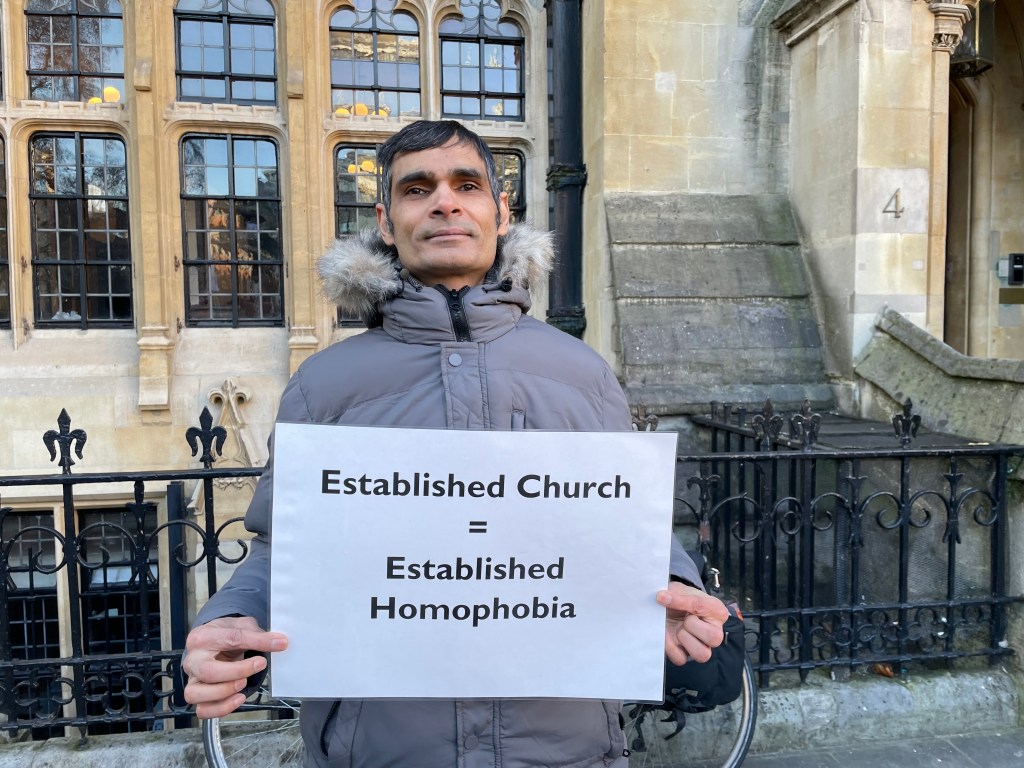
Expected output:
(457, 312)
(327, 724)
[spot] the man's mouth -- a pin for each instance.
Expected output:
(447, 233)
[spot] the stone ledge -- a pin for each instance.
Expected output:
(699, 218)
(719, 270)
(819, 713)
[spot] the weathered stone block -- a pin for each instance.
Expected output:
(708, 271)
(699, 218)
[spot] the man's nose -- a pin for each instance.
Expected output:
(445, 200)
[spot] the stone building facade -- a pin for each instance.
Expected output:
(734, 240)
(242, 138)
(798, 166)
(172, 169)
(763, 178)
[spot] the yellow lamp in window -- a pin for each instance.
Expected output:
(111, 94)
(342, 111)
(352, 168)
(362, 109)
(368, 166)
(95, 100)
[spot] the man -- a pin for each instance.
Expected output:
(443, 286)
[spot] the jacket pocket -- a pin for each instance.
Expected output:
(561, 733)
(328, 729)
(518, 420)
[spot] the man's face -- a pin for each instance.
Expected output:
(445, 224)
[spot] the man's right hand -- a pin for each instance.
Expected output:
(216, 665)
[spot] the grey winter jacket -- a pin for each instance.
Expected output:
(467, 360)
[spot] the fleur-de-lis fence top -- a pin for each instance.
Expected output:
(906, 424)
(64, 437)
(707, 484)
(210, 437)
(766, 425)
(642, 420)
(804, 426)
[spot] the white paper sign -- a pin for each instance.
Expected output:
(462, 564)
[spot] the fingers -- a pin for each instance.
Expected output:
(682, 600)
(220, 708)
(207, 668)
(217, 666)
(216, 686)
(234, 634)
(215, 700)
(693, 623)
(691, 638)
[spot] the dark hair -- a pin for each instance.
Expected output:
(430, 134)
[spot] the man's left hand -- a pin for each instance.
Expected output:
(693, 623)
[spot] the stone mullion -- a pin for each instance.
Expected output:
(302, 236)
(153, 241)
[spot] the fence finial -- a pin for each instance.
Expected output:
(206, 435)
(642, 420)
(804, 425)
(65, 438)
(766, 425)
(905, 424)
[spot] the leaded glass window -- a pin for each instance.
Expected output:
(355, 189)
(355, 198)
(34, 623)
(226, 51)
(231, 214)
(509, 165)
(119, 616)
(75, 50)
(481, 63)
(375, 60)
(81, 248)
(110, 579)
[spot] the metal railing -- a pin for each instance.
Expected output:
(845, 557)
(88, 638)
(840, 558)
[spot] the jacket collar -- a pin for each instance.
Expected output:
(362, 275)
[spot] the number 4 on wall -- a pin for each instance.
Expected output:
(893, 205)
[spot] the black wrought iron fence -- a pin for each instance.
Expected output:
(840, 558)
(91, 631)
(850, 556)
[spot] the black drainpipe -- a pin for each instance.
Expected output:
(567, 174)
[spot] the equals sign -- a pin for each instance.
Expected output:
(478, 526)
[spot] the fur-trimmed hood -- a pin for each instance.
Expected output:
(360, 272)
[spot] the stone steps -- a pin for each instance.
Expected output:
(712, 302)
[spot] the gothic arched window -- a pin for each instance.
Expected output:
(75, 50)
(481, 64)
(375, 60)
(226, 51)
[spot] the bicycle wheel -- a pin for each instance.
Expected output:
(717, 738)
(270, 740)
